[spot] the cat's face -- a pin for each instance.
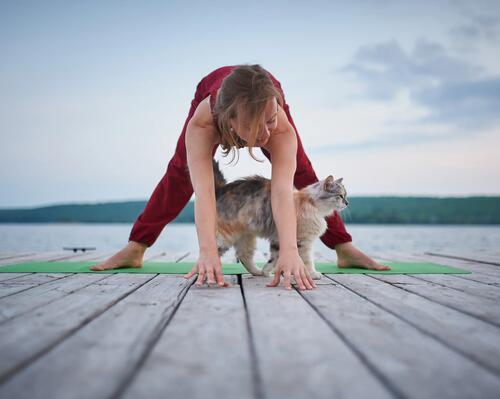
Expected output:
(331, 193)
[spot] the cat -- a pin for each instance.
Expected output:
(244, 213)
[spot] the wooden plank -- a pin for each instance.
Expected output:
(21, 302)
(472, 258)
(10, 276)
(474, 338)
(189, 257)
(468, 286)
(52, 256)
(41, 289)
(415, 364)
(26, 337)
(480, 273)
(475, 268)
(93, 255)
(41, 256)
(181, 256)
(148, 256)
(10, 255)
(26, 282)
(165, 256)
(158, 256)
(109, 350)
(482, 308)
(297, 353)
(203, 353)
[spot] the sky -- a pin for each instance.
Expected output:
(397, 97)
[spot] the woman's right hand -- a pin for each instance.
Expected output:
(209, 268)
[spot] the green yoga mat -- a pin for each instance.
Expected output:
(228, 268)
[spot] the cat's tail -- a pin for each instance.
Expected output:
(219, 179)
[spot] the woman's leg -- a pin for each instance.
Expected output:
(305, 175)
(172, 192)
(169, 197)
(336, 236)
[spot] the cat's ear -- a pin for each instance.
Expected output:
(328, 183)
(339, 180)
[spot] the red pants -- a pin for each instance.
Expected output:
(174, 190)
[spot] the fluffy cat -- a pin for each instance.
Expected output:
(244, 213)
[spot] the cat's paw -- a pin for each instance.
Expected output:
(315, 275)
(267, 273)
(258, 273)
(268, 270)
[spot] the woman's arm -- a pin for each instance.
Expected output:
(200, 141)
(199, 159)
(282, 147)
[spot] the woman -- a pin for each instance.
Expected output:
(236, 107)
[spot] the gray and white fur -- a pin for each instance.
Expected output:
(244, 213)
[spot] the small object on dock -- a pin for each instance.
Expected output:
(76, 249)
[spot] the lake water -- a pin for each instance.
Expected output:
(481, 240)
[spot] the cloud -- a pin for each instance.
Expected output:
(454, 91)
(478, 28)
(469, 105)
(386, 68)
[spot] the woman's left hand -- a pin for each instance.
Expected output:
(290, 264)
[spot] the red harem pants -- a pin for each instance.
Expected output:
(174, 190)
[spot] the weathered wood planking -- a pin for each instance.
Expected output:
(52, 256)
(461, 282)
(485, 274)
(10, 276)
(26, 282)
(482, 308)
(42, 256)
(14, 305)
(107, 351)
(471, 257)
(20, 258)
(298, 355)
(467, 286)
(474, 338)
(412, 363)
(166, 256)
(203, 352)
(358, 330)
(10, 255)
(31, 334)
(476, 268)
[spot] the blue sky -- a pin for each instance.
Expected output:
(396, 97)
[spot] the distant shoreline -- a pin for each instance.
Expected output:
(362, 210)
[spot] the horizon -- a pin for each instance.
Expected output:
(400, 99)
(192, 200)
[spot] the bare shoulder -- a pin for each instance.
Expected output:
(283, 138)
(201, 123)
(202, 116)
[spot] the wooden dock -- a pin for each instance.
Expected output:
(158, 336)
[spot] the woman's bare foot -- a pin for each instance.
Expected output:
(130, 256)
(349, 256)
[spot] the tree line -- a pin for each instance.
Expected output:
(391, 210)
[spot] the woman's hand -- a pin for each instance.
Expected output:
(208, 268)
(290, 264)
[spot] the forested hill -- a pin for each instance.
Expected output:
(394, 210)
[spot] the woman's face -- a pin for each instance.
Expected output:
(241, 125)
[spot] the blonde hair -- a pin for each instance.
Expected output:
(247, 90)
